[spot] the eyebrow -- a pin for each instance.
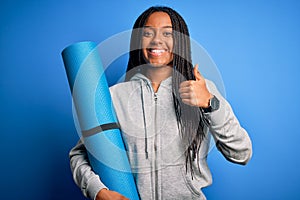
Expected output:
(160, 27)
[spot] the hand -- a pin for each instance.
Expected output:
(195, 93)
(105, 194)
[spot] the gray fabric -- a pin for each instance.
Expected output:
(155, 150)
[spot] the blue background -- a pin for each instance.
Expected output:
(255, 45)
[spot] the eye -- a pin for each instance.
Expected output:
(148, 33)
(167, 34)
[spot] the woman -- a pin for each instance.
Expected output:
(165, 109)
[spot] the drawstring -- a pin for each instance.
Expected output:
(145, 123)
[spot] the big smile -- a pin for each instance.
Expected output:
(156, 52)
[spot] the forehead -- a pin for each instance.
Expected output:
(159, 19)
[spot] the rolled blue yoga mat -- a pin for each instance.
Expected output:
(97, 119)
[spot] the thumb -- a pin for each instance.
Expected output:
(197, 74)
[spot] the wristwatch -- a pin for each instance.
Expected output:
(214, 104)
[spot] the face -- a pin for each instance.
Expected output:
(157, 40)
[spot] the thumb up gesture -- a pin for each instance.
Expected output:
(195, 92)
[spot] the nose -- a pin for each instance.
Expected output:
(157, 39)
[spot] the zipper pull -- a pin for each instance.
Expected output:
(155, 96)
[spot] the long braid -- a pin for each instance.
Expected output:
(189, 118)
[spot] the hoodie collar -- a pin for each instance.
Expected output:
(166, 83)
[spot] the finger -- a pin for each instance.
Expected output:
(197, 74)
(185, 96)
(184, 90)
(188, 102)
(186, 84)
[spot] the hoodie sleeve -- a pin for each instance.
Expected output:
(83, 175)
(231, 139)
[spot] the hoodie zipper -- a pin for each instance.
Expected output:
(155, 175)
(157, 184)
(155, 121)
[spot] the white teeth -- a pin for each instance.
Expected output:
(157, 50)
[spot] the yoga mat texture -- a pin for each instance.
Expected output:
(97, 119)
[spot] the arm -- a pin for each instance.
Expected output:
(83, 175)
(231, 139)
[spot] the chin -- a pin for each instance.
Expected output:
(157, 64)
(160, 64)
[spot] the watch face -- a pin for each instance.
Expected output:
(214, 104)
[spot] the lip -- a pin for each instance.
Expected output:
(156, 51)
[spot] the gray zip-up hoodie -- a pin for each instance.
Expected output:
(155, 149)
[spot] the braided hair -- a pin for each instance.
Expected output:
(190, 120)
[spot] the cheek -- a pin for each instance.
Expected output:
(145, 54)
(145, 42)
(170, 45)
(144, 46)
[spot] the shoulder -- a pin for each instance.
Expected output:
(123, 88)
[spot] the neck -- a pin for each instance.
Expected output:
(157, 74)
